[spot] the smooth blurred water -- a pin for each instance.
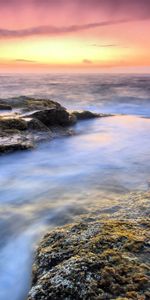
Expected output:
(69, 176)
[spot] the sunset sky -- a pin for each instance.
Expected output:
(73, 35)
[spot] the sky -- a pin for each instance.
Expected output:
(75, 35)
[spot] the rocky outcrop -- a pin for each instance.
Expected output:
(93, 259)
(85, 115)
(13, 140)
(35, 120)
(36, 125)
(52, 117)
(13, 123)
(30, 104)
(20, 131)
(15, 146)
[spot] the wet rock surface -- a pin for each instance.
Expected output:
(52, 117)
(34, 120)
(7, 123)
(30, 104)
(31, 121)
(95, 258)
(4, 106)
(85, 115)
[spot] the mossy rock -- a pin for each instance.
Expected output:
(13, 123)
(92, 261)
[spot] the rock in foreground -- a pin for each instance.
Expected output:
(93, 260)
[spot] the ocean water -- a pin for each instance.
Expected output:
(92, 170)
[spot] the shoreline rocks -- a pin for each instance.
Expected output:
(35, 120)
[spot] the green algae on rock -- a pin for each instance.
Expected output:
(93, 260)
(12, 123)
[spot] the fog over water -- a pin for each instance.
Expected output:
(65, 177)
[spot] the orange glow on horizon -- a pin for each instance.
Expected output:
(96, 41)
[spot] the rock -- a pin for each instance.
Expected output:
(5, 106)
(72, 119)
(35, 124)
(12, 140)
(85, 115)
(30, 103)
(11, 147)
(34, 121)
(91, 260)
(51, 117)
(9, 132)
(13, 123)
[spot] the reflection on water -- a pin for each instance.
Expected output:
(70, 176)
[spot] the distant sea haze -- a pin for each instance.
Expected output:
(123, 94)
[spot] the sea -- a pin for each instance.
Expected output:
(69, 177)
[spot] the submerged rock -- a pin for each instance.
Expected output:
(93, 260)
(85, 115)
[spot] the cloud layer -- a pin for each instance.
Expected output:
(54, 17)
(52, 30)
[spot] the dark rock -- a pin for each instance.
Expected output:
(5, 107)
(9, 132)
(20, 145)
(72, 119)
(85, 115)
(13, 123)
(34, 121)
(14, 139)
(30, 103)
(35, 124)
(51, 117)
